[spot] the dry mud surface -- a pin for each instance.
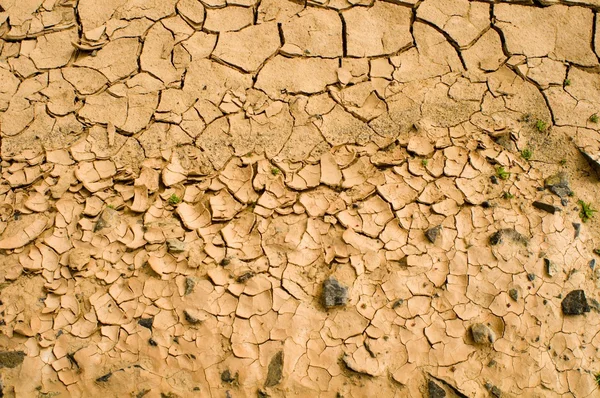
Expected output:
(343, 198)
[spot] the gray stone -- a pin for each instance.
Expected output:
(435, 391)
(545, 207)
(514, 294)
(433, 233)
(482, 334)
(550, 267)
(275, 371)
(334, 294)
(575, 303)
(175, 245)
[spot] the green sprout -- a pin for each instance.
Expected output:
(507, 195)
(110, 206)
(174, 199)
(563, 162)
(503, 174)
(597, 252)
(424, 162)
(567, 82)
(594, 118)
(541, 125)
(275, 171)
(587, 212)
(527, 153)
(597, 377)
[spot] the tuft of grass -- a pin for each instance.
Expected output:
(507, 195)
(541, 125)
(563, 162)
(502, 174)
(567, 82)
(597, 377)
(424, 162)
(110, 206)
(594, 118)
(174, 199)
(587, 211)
(275, 171)
(527, 153)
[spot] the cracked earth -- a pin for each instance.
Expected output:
(272, 198)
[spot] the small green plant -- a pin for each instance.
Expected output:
(424, 162)
(563, 162)
(174, 199)
(597, 252)
(507, 195)
(567, 82)
(527, 153)
(502, 174)
(110, 206)
(541, 125)
(587, 212)
(275, 171)
(594, 118)
(597, 377)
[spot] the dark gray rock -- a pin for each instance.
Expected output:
(559, 185)
(575, 303)
(514, 294)
(275, 371)
(11, 359)
(482, 334)
(334, 294)
(435, 391)
(498, 237)
(545, 207)
(550, 267)
(591, 160)
(433, 233)
(577, 228)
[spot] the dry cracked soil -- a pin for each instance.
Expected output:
(284, 198)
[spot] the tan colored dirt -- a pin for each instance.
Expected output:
(279, 198)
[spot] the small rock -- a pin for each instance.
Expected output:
(531, 277)
(108, 218)
(514, 294)
(545, 207)
(334, 294)
(433, 233)
(551, 268)
(593, 162)
(79, 259)
(11, 359)
(275, 371)
(175, 245)
(498, 237)
(227, 377)
(494, 180)
(245, 277)
(577, 227)
(592, 264)
(434, 390)
(189, 317)
(575, 303)
(146, 322)
(189, 286)
(482, 334)
(559, 185)
(559, 179)
(494, 391)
